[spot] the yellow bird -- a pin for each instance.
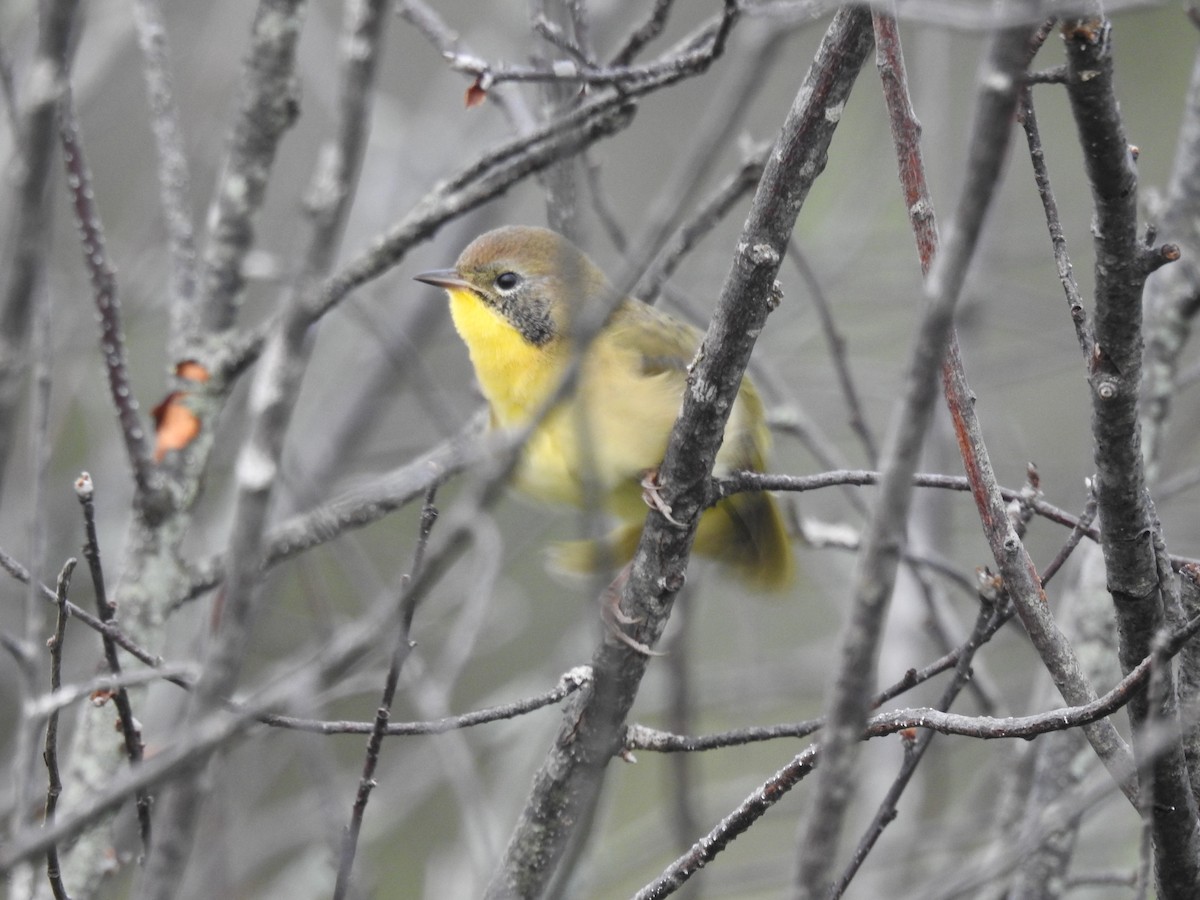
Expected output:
(513, 295)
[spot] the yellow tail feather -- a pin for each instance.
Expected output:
(745, 532)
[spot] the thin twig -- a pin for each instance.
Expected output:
(1058, 240)
(105, 684)
(1078, 532)
(26, 245)
(379, 728)
(366, 503)
(107, 629)
(760, 481)
(982, 727)
(569, 683)
(487, 177)
(644, 33)
(709, 211)
(131, 730)
(694, 55)
(641, 737)
(108, 306)
(50, 754)
(430, 24)
(914, 750)
(837, 352)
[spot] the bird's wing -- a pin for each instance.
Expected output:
(663, 343)
(666, 347)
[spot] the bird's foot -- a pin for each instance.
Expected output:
(614, 617)
(652, 496)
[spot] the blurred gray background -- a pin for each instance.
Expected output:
(389, 378)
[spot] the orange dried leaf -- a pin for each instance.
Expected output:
(1086, 30)
(177, 425)
(476, 93)
(192, 371)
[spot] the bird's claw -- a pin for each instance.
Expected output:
(652, 496)
(614, 617)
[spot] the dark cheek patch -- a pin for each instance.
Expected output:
(531, 319)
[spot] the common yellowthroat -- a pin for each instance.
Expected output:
(513, 295)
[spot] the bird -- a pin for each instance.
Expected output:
(517, 294)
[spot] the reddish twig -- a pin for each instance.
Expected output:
(906, 136)
(1012, 559)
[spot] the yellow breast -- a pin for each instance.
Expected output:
(516, 377)
(612, 428)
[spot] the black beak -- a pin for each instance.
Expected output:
(443, 278)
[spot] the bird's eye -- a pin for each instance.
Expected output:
(506, 281)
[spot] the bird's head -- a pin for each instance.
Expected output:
(533, 277)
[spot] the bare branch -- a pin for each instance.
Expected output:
(568, 684)
(1058, 240)
(1172, 295)
(915, 747)
(400, 651)
(708, 212)
(427, 21)
(491, 175)
(28, 227)
(982, 727)
(568, 781)
(641, 737)
(1126, 526)
(173, 177)
(644, 33)
(107, 629)
(277, 382)
(875, 575)
(108, 307)
(692, 57)
(50, 755)
(131, 730)
(837, 351)
(366, 503)
(269, 106)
